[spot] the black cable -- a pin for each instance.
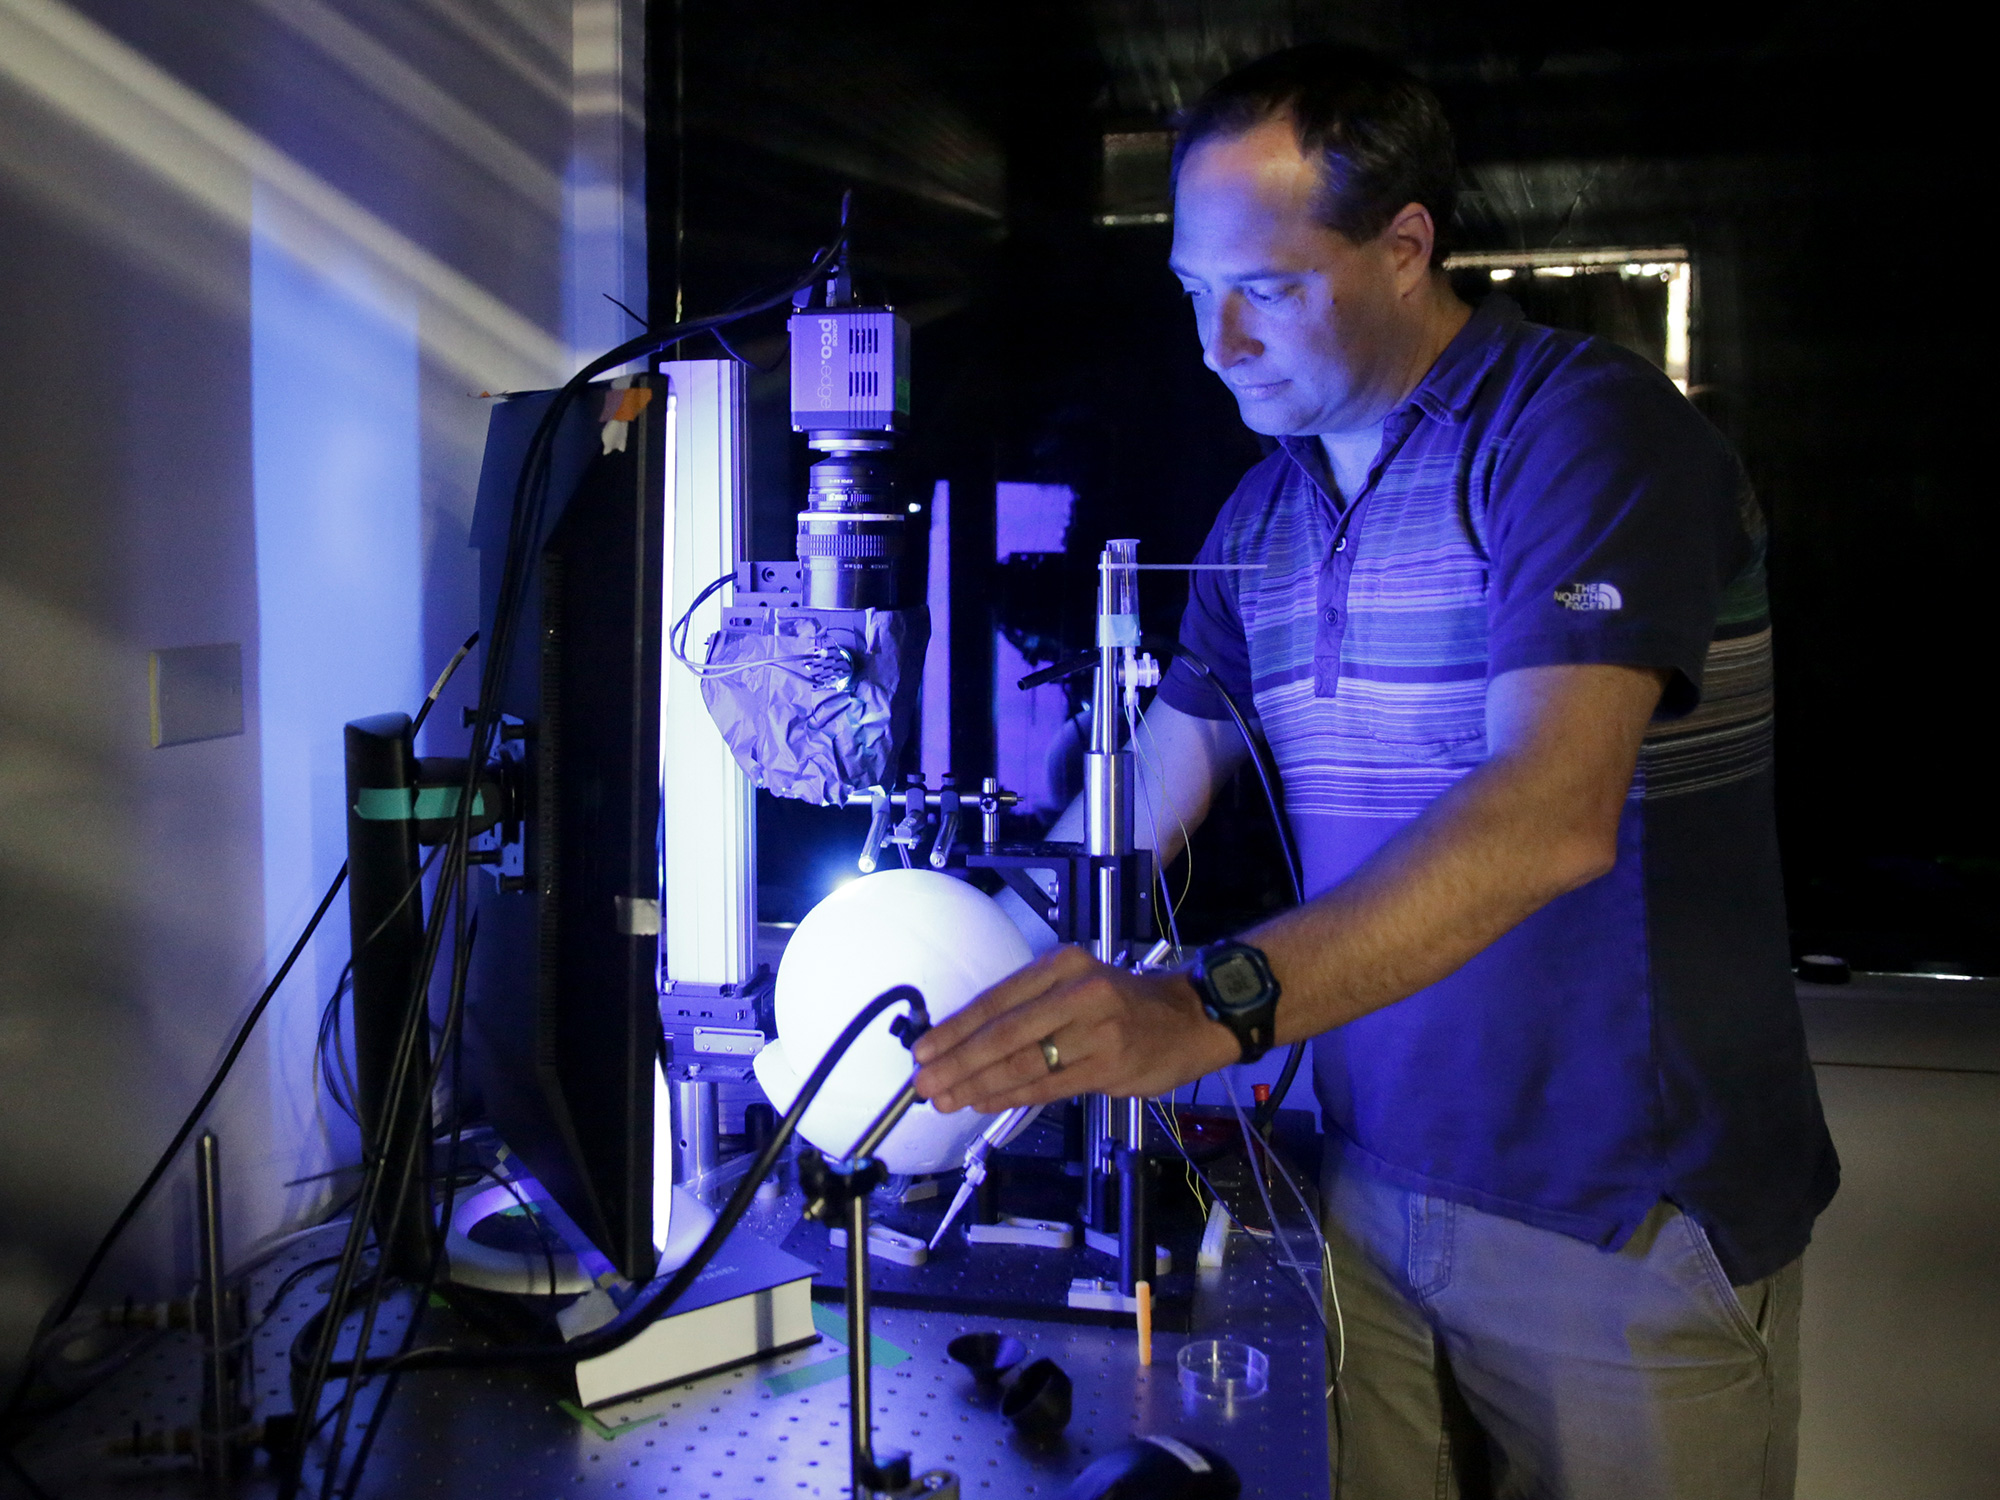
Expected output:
(415, 1033)
(374, 1144)
(743, 359)
(329, 1029)
(1195, 1166)
(63, 1310)
(73, 1299)
(659, 1295)
(438, 687)
(524, 529)
(544, 1236)
(525, 523)
(330, 1051)
(1264, 1114)
(293, 1278)
(677, 637)
(376, 1155)
(467, 935)
(642, 322)
(1257, 758)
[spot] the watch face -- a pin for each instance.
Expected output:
(1236, 981)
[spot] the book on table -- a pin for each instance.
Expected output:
(751, 1302)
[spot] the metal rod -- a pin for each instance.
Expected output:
(1135, 1239)
(990, 800)
(989, 789)
(218, 1393)
(861, 1409)
(697, 1129)
(1097, 1174)
(892, 1113)
(1109, 839)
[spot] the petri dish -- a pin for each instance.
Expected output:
(1223, 1370)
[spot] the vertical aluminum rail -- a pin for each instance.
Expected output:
(1108, 765)
(708, 855)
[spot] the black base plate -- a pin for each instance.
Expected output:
(1025, 1281)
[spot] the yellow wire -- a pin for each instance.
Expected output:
(1187, 1167)
(1174, 906)
(1136, 725)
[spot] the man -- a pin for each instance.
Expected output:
(1509, 647)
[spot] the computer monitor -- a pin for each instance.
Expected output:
(562, 1003)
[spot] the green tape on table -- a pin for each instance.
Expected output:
(882, 1355)
(832, 1326)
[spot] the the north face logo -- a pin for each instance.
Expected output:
(1590, 596)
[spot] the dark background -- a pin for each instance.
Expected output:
(1816, 160)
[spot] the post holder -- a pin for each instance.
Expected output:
(836, 1191)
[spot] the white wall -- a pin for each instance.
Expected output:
(259, 261)
(1901, 1328)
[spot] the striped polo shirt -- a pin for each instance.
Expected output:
(1541, 498)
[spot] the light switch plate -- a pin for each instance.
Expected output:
(197, 693)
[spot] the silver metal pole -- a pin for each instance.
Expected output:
(1108, 766)
(697, 1130)
(218, 1335)
(1109, 837)
(1135, 1234)
(861, 1413)
(989, 811)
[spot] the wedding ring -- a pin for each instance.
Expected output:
(1050, 1055)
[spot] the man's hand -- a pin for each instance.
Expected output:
(1116, 1033)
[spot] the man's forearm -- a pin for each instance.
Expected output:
(1514, 834)
(1538, 818)
(1474, 866)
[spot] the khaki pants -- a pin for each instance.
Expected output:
(1487, 1358)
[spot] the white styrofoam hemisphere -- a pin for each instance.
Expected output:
(894, 927)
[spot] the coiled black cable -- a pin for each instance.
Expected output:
(659, 1296)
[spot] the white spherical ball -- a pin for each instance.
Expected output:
(914, 927)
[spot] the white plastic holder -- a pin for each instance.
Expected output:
(1214, 1239)
(1049, 1234)
(885, 1243)
(1098, 1295)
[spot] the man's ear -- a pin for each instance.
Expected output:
(1410, 238)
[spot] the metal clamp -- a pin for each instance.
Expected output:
(947, 802)
(877, 801)
(916, 801)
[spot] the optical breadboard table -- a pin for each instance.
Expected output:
(778, 1428)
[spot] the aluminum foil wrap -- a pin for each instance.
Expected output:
(832, 711)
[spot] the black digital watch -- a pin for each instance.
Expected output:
(1236, 988)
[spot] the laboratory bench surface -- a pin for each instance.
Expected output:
(778, 1427)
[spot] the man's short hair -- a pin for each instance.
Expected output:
(1381, 136)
